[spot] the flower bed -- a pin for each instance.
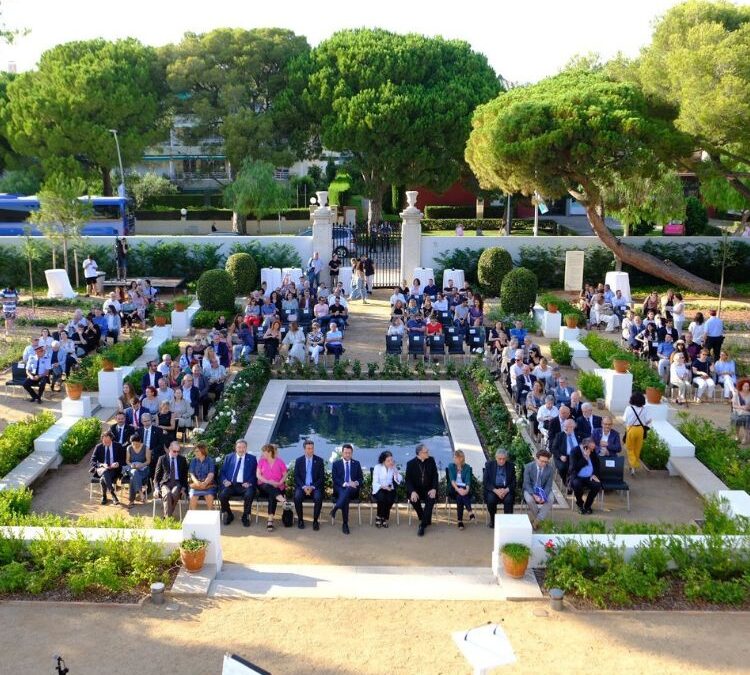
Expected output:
(17, 440)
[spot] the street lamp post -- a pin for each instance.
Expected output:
(121, 189)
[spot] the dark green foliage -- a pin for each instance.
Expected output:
(494, 225)
(15, 501)
(655, 452)
(494, 264)
(518, 291)
(171, 347)
(591, 386)
(465, 259)
(135, 378)
(215, 290)
(244, 272)
(696, 216)
(17, 439)
(273, 255)
(561, 352)
(205, 319)
(604, 351)
(81, 438)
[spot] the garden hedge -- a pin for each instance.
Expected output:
(215, 290)
(244, 272)
(518, 291)
(494, 264)
(17, 439)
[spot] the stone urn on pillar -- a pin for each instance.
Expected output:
(322, 198)
(411, 199)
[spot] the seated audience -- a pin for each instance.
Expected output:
(238, 479)
(537, 487)
(607, 438)
(107, 461)
(171, 479)
(422, 486)
(347, 480)
(702, 376)
(585, 472)
(740, 416)
(562, 447)
(459, 486)
(333, 341)
(138, 458)
(499, 484)
(202, 477)
(726, 374)
(309, 479)
(271, 475)
(385, 478)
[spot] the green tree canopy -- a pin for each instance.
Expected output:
(255, 190)
(399, 105)
(66, 108)
(228, 80)
(577, 133)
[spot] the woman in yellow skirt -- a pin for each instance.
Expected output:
(635, 419)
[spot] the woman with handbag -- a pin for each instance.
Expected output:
(636, 427)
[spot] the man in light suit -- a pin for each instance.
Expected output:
(587, 422)
(238, 477)
(538, 474)
(309, 479)
(347, 480)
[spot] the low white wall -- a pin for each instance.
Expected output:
(203, 227)
(432, 247)
(170, 539)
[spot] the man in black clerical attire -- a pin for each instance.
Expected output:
(422, 485)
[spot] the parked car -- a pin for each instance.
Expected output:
(344, 240)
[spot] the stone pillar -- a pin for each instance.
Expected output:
(411, 236)
(205, 525)
(322, 239)
(509, 529)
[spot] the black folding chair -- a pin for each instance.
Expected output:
(455, 345)
(612, 472)
(437, 345)
(475, 341)
(445, 318)
(416, 345)
(394, 345)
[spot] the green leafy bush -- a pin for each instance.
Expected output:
(273, 255)
(135, 378)
(17, 440)
(15, 502)
(205, 319)
(244, 272)
(171, 347)
(518, 291)
(215, 290)
(655, 452)
(696, 216)
(494, 264)
(465, 259)
(81, 438)
(604, 351)
(591, 386)
(561, 352)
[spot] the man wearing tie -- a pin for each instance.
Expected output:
(309, 478)
(587, 422)
(134, 413)
(347, 479)
(106, 463)
(422, 485)
(37, 374)
(537, 487)
(238, 477)
(152, 439)
(584, 475)
(171, 478)
(524, 383)
(562, 447)
(120, 430)
(499, 484)
(152, 377)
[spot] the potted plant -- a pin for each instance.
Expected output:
(180, 305)
(161, 317)
(515, 559)
(620, 365)
(654, 392)
(552, 308)
(193, 553)
(74, 384)
(108, 365)
(571, 320)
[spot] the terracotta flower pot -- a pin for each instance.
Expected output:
(653, 395)
(551, 308)
(107, 365)
(193, 561)
(571, 322)
(180, 305)
(620, 365)
(515, 569)
(160, 320)
(74, 391)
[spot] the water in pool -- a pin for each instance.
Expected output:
(370, 422)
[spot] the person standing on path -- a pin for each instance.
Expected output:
(121, 258)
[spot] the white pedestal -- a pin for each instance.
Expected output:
(738, 502)
(661, 412)
(180, 324)
(617, 388)
(424, 274)
(294, 274)
(205, 525)
(551, 324)
(58, 284)
(619, 280)
(345, 276)
(538, 312)
(678, 445)
(80, 408)
(110, 387)
(568, 334)
(322, 239)
(272, 277)
(509, 529)
(457, 276)
(159, 335)
(411, 238)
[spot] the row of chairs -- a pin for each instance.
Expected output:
(456, 345)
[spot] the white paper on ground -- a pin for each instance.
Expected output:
(485, 647)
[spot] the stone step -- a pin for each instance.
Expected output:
(678, 445)
(579, 349)
(695, 473)
(584, 363)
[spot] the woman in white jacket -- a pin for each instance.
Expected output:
(385, 478)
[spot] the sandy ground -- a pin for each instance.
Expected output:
(342, 637)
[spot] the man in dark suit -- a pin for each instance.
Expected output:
(171, 478)
(238, 478)
(121, 431)
(106, 463)
(134, 414)
(190, 393)
(537, 487)
(607, 438)
(347, 480)
(556, 424)
(153, 439)
(309, 479)
(201, 384)
(422, 485)
(524, 383)
(575, 405)
(584, 474)
(587, 422)
(152, 377)
(499, 484)
(220, 347)
(562, 447)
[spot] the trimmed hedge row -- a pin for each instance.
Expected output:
(17, 440)
(81, 438)
(447, 212)
(545, 225)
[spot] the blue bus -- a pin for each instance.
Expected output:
(112, 216)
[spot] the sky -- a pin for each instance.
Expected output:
(523, 41)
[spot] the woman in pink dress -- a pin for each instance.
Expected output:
(271, 475)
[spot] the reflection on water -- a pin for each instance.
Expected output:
(371, 423)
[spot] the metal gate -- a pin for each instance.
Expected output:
(381, 244)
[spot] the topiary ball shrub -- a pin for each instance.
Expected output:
(518, 291)
(244, 272)
(494, 264)
(215, 290)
